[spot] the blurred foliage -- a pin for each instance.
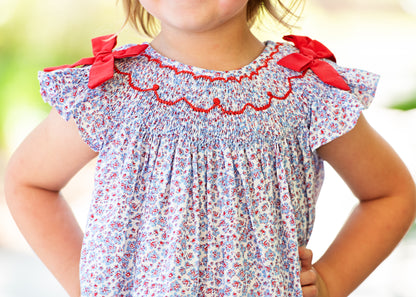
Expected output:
(411, 234)
(38, 34)
(406, 104)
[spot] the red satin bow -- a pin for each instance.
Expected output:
(102, 68)
(309, 53)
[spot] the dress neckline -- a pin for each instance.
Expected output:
(261, 61)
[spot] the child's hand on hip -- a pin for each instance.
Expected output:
(312, 284)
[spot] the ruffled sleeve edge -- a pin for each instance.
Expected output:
(65, 90)
(347, 111)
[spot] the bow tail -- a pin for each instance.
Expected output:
(130, 51)
(84, 61)
(329, 75)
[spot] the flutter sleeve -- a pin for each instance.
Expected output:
(334, 112)
(67, 91)
(336, 95)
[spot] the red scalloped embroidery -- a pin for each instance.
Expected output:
(232, 78)
(216, 101)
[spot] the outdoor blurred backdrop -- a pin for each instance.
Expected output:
(376, 35)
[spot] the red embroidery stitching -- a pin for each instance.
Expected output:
(216, 101)
(232, 78)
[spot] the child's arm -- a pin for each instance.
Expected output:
(386, 209)
(38, 170)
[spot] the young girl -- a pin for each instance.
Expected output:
(210, 150)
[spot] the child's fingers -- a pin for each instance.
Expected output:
(308, 277)
(310, 291)
(309, 284)
(305, 256)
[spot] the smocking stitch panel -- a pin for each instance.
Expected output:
(216, 102)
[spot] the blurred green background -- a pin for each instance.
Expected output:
(377, 35)
(37, 34)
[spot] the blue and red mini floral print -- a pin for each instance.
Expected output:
(206, 181)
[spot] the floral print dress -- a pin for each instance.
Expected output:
(206, 181)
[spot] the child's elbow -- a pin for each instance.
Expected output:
(413, 201)
(15, 184)
(409, 201)
(11, 183)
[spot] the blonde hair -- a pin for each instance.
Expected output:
(145, 23)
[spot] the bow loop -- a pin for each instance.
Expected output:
(103, 44)
(102, 64)
(310, 47)
(310, 51)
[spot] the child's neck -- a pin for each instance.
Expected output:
(220, 50)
